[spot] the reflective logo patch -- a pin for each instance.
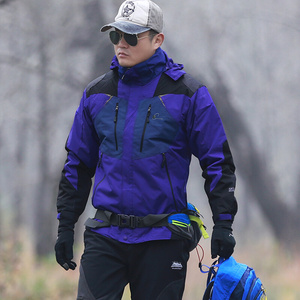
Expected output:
(176, 265)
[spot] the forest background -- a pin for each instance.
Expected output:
(245, 52)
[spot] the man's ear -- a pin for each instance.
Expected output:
(158, 40)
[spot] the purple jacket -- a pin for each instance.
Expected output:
(135, 131)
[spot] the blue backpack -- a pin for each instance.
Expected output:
(233, 281)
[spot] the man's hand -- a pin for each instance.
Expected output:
(222, 240)
(64, 249)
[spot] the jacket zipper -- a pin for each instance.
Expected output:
(165, 165)
(116, 121)
(145, 125)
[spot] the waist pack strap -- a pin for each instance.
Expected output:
(104, 218)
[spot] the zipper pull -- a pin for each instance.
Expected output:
(147, 120)
(116, 112)
(148, 113)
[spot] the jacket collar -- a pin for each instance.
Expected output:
(145, 71)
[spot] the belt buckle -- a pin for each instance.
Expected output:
(126, 221)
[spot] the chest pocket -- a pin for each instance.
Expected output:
(109, 124)
(155, 129)
(152, 130)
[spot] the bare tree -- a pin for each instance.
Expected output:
(251, 163)
(50, 51)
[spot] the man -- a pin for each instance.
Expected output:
(135, 130)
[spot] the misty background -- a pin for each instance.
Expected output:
(245, 52)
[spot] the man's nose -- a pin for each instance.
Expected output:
(122, 42)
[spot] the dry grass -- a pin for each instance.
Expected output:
(25, 277)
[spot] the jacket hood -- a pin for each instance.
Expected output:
(145, 71)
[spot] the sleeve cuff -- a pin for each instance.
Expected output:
(225, 217)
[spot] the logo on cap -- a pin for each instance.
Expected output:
(128, 9)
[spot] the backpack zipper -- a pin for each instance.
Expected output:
(260, 293)
(145, 125)
(116, 121)
(165, 165)
(251, 288)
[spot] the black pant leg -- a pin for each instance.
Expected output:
(158, 270)
(103, 270)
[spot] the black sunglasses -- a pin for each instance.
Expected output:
(131, 39)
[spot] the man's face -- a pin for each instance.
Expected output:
(129, 56)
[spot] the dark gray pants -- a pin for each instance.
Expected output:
(154, 270)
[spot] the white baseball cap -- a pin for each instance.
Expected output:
(137, 16)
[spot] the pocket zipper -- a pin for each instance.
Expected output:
(145, 125)
(116, 121)
(100, 160)
(165, 165)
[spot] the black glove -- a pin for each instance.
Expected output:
(64, 249)
(222, 240)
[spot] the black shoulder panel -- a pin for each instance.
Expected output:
(105, 84)
(185, 85)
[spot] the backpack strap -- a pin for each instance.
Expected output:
(210, 279)
(212, 271)
(208, 291)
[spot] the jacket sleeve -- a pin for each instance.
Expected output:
(209, 144)
(82, 146)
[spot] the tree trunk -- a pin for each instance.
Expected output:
(251, 164)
